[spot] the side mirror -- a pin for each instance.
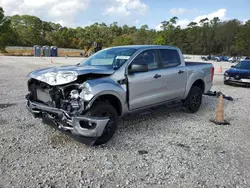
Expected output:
(138, 68)
(233, 66)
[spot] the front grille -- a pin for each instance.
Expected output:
(43, 95)
(38, 89)
(44, 92)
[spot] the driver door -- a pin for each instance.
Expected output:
(145, 88)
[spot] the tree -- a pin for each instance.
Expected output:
(204, 21)
(204, 37)
(243, 39)
(164, 25)
(192, 24)
(159, 40)
(215, 21)
(122, 40)
(6, 33)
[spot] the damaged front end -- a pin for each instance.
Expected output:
(65, 105)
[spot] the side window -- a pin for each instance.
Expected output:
(147, 57)
(170, 58)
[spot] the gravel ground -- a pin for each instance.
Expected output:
(166, 148)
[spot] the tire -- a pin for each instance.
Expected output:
(104, 109)
(194, 99)
(227, 83)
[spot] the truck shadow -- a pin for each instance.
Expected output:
(208, 104)
(155, 122)
(147, 122)
(156, 113)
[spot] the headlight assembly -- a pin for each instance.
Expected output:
(226, 74)
(58, 78)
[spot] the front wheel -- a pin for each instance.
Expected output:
(104, 109)
(194, 99)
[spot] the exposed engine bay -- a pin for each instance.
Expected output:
(71, 97)
(66, 106)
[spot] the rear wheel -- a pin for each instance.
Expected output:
(104, 109)
(194, 99)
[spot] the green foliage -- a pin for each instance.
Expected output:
(6, 34)
(243, 38)
(122, 40)
(159, 40)
(204, 37)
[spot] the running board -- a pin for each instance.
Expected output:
(172, 106)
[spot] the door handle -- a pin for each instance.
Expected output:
(180, 72)
(157, 76)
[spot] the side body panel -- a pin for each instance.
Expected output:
(148, 92)
(199, 72)
(145, 90)
(174, 82)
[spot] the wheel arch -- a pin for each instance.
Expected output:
(196, 82)
(199, 83)
(113, 98)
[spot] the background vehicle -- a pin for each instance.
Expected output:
(235, 59)
(211, 57)
(232, 59)
(88, 98)
(223, 58)
(238, 74)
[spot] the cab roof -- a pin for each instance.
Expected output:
(144, 46)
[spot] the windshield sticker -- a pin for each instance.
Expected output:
(122, 57)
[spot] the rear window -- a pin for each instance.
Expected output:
(170, 58)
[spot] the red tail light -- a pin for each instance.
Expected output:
(212, 76)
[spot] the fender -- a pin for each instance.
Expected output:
(106, 86)
(195, 75)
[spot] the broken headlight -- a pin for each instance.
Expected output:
(86, 93)
(58, 78)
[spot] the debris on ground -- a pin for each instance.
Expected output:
(217, 94)
(142, 152)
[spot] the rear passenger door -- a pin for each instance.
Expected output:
(174, 73)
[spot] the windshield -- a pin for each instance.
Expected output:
(243, 65)
(111, 58)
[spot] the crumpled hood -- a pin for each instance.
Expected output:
(79, 69)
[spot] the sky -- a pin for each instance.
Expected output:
(80, 13)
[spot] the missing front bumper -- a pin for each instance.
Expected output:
(74, 124)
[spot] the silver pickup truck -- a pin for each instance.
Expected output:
(87, 99)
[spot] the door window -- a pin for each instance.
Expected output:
(148, 57)
(170, 58)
